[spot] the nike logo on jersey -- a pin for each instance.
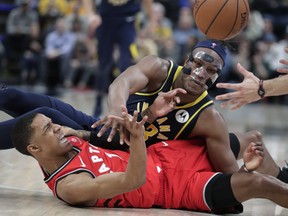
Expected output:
(82, 163)
(164, 143)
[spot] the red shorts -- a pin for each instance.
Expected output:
(185, 172)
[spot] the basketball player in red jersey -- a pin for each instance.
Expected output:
(172, 174)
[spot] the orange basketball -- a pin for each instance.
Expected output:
(221, 19)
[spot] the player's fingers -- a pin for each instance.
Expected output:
(103, 129)
(234, 86)
(135, 115)
(180, 90)
(227, 96)
(260, 153)
(113, 132)
(242, 70)
(121, 135)
(99, 122)
(177, 100)
(233, 104)
(124, 109)
(144, 120)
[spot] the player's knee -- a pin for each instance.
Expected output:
(44, 110)
(255, 136)
(256, 182)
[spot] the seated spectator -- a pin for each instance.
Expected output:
(18, 26)
(30, 61)
(58, 49)
(83, 58)
(49, 12)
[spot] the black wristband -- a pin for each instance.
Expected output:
(261, 91)
(245, 169)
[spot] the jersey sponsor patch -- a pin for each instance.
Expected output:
(182, 116)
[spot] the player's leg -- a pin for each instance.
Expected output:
(246, 186)
(105, 48)
(225, 192)
(16, 102)
(56, 116)
(268, 165)
(127, 45)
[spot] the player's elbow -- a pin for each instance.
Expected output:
(137, 182)
(74, 198)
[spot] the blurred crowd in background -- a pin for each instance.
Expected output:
(53, 42)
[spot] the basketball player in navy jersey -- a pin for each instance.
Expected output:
(168, 175)
(117, 29)
(194, 116)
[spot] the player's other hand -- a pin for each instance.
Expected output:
(110, 122)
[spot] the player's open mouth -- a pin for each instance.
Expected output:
(62, 139)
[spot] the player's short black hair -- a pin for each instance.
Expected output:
(22, 132)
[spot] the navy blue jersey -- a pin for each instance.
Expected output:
(112, 8)
(177, 124)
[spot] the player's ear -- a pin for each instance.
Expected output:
(33, 148)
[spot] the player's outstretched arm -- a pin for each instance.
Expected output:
(146, 74)
(83, 189)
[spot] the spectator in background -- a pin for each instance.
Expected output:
(183, 31)
(159, 28)
(175, 8)
(19, 23)
(58, 49)
(83, 60)
(30, 60)
(49, 12)
(77, 13)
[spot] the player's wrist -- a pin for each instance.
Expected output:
(261, 92)
(150, 114)
(246, 169)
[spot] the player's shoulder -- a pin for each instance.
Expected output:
(210, 114)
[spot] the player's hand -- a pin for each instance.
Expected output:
(113, 123)
(285, 63)
(244, 93)
(132, 127)
(253, 155)
(166, 102)
(67, 131)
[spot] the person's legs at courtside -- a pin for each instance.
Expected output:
(16, 102)
(55, 115)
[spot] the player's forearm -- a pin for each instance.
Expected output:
(85, 135)
(276, 86)
(150, 114)
(118, 94)
(136, 168)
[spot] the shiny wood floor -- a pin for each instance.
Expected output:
(23, 192)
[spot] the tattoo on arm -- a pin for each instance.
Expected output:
(84, 134)
(151, 116)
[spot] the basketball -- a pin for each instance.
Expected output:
(221, 19)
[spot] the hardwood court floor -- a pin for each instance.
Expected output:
(23, 192)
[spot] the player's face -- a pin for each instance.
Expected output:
(203, 69)
(49, 137)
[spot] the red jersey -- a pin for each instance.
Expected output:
(176, 176)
